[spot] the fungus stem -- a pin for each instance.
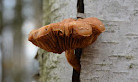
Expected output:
(73, 60)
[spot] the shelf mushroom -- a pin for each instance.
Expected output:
(67, 35)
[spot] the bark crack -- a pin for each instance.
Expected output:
(78, 51)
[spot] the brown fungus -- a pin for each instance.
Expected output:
(67, 35)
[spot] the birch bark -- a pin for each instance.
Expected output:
(54, 67)
(114, 56)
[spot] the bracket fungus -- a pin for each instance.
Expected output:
(67, 35)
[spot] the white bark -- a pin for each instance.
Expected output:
(54, 67)
(114, 56)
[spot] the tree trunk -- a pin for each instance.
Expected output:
(54, 67)
(114, 56)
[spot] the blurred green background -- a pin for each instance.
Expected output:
(17, 19)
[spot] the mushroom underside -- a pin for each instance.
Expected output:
(67, 36)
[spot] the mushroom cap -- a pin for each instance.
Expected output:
(67, 34)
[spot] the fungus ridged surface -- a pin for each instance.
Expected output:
(67, 35)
